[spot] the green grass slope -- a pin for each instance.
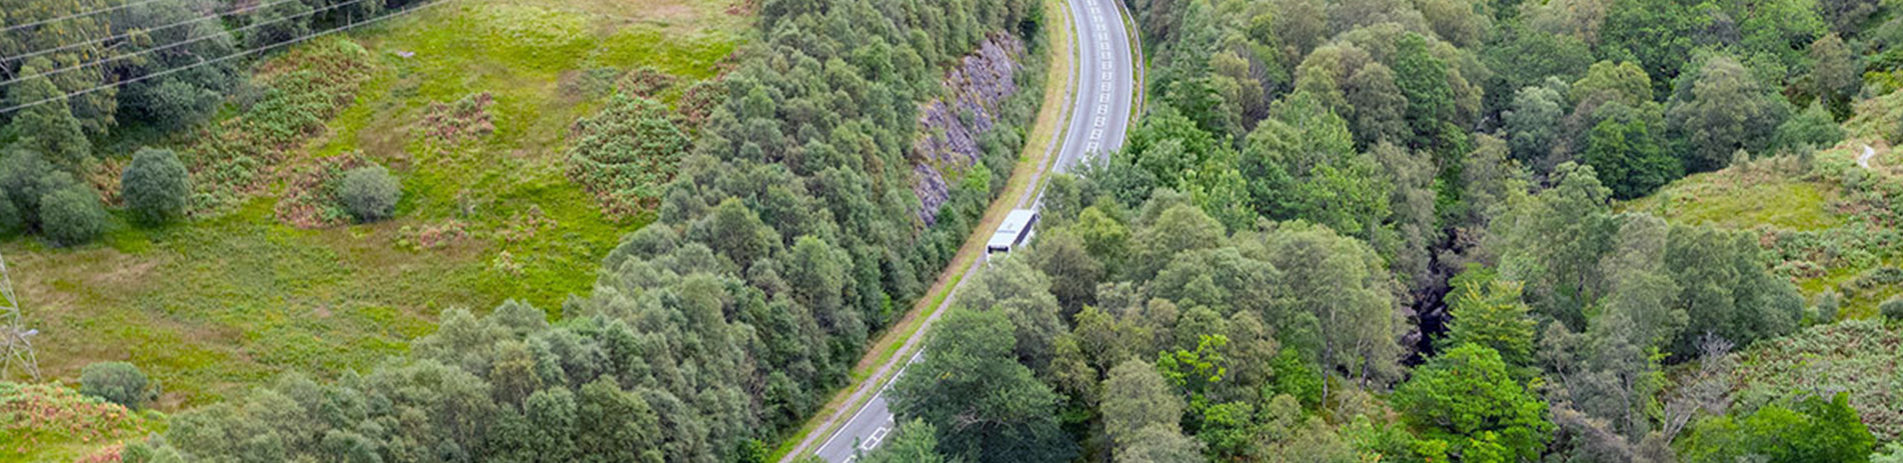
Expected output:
(237, 296)
(1830, 224)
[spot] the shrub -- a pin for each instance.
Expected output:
(1828, 304)
(116, 382)
(10, 219)
(72, 215)
(156, 186)
(370, 193)
(626, 153)
(26, 176)
(177, 104)
(1892, 308)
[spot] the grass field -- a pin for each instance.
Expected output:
(1736, 201)
(213, 305)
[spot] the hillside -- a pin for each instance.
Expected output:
(264, 279)
(1826, 220)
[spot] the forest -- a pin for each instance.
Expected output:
(1393, 230)
(1340, 231)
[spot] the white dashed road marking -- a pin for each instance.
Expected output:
(873, 440)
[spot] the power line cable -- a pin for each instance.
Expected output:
(148, 30)
(173, 45)
(77, 15)
(405, 11)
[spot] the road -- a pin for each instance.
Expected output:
(1105, 78)
(1101, 107)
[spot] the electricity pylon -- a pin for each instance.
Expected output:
(16, 341)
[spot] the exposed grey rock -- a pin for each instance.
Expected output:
(949, 130)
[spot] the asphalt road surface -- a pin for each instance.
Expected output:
(1101, 107)
(1100, 115)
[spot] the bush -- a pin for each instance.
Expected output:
(116, 382)
(26, 176)
(10, 219)
(1828, 304)
(177, 104)
(156, 186)
(370, 193)
(72, 215)
(1892, 308)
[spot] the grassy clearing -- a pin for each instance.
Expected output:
(1739, 200)
(213, 305)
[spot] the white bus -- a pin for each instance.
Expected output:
(1017, 229)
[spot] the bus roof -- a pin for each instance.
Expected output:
(1014, 225)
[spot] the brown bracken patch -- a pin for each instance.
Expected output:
(310, 193)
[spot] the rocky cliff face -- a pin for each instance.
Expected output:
(950, 127)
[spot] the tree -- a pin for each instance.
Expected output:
(1658, 34)
(1629, 157)
(621, 426)
(167, 38)
(1338, 289)
(1638, 287)
(1533, 121)
(65, 40)
(1179, 228)
(1835, 70)
(1487, 311)
(11, 219)
(26, 177)
(1726, 289)
(1012, 287)
(278, 24)
(1466, 398)
(913, 442)
(1724, 110)
(1423, 79)
(1811, 429)
(116, 382)
(986, 406)
(1074, 273)
(1526, 57)
(1490, 181)
(1409, 229)
(1553, 241)
(1812, 129)
(1380, 109)
(72, 215)
(1891, 308)
(156, 186)
(47, 125)
(369, 193)
(736, 233)
(1607, 81)
(1160, 444)
(1301, 164)
(816, 275)
(1137, 397)
(1166, 151)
